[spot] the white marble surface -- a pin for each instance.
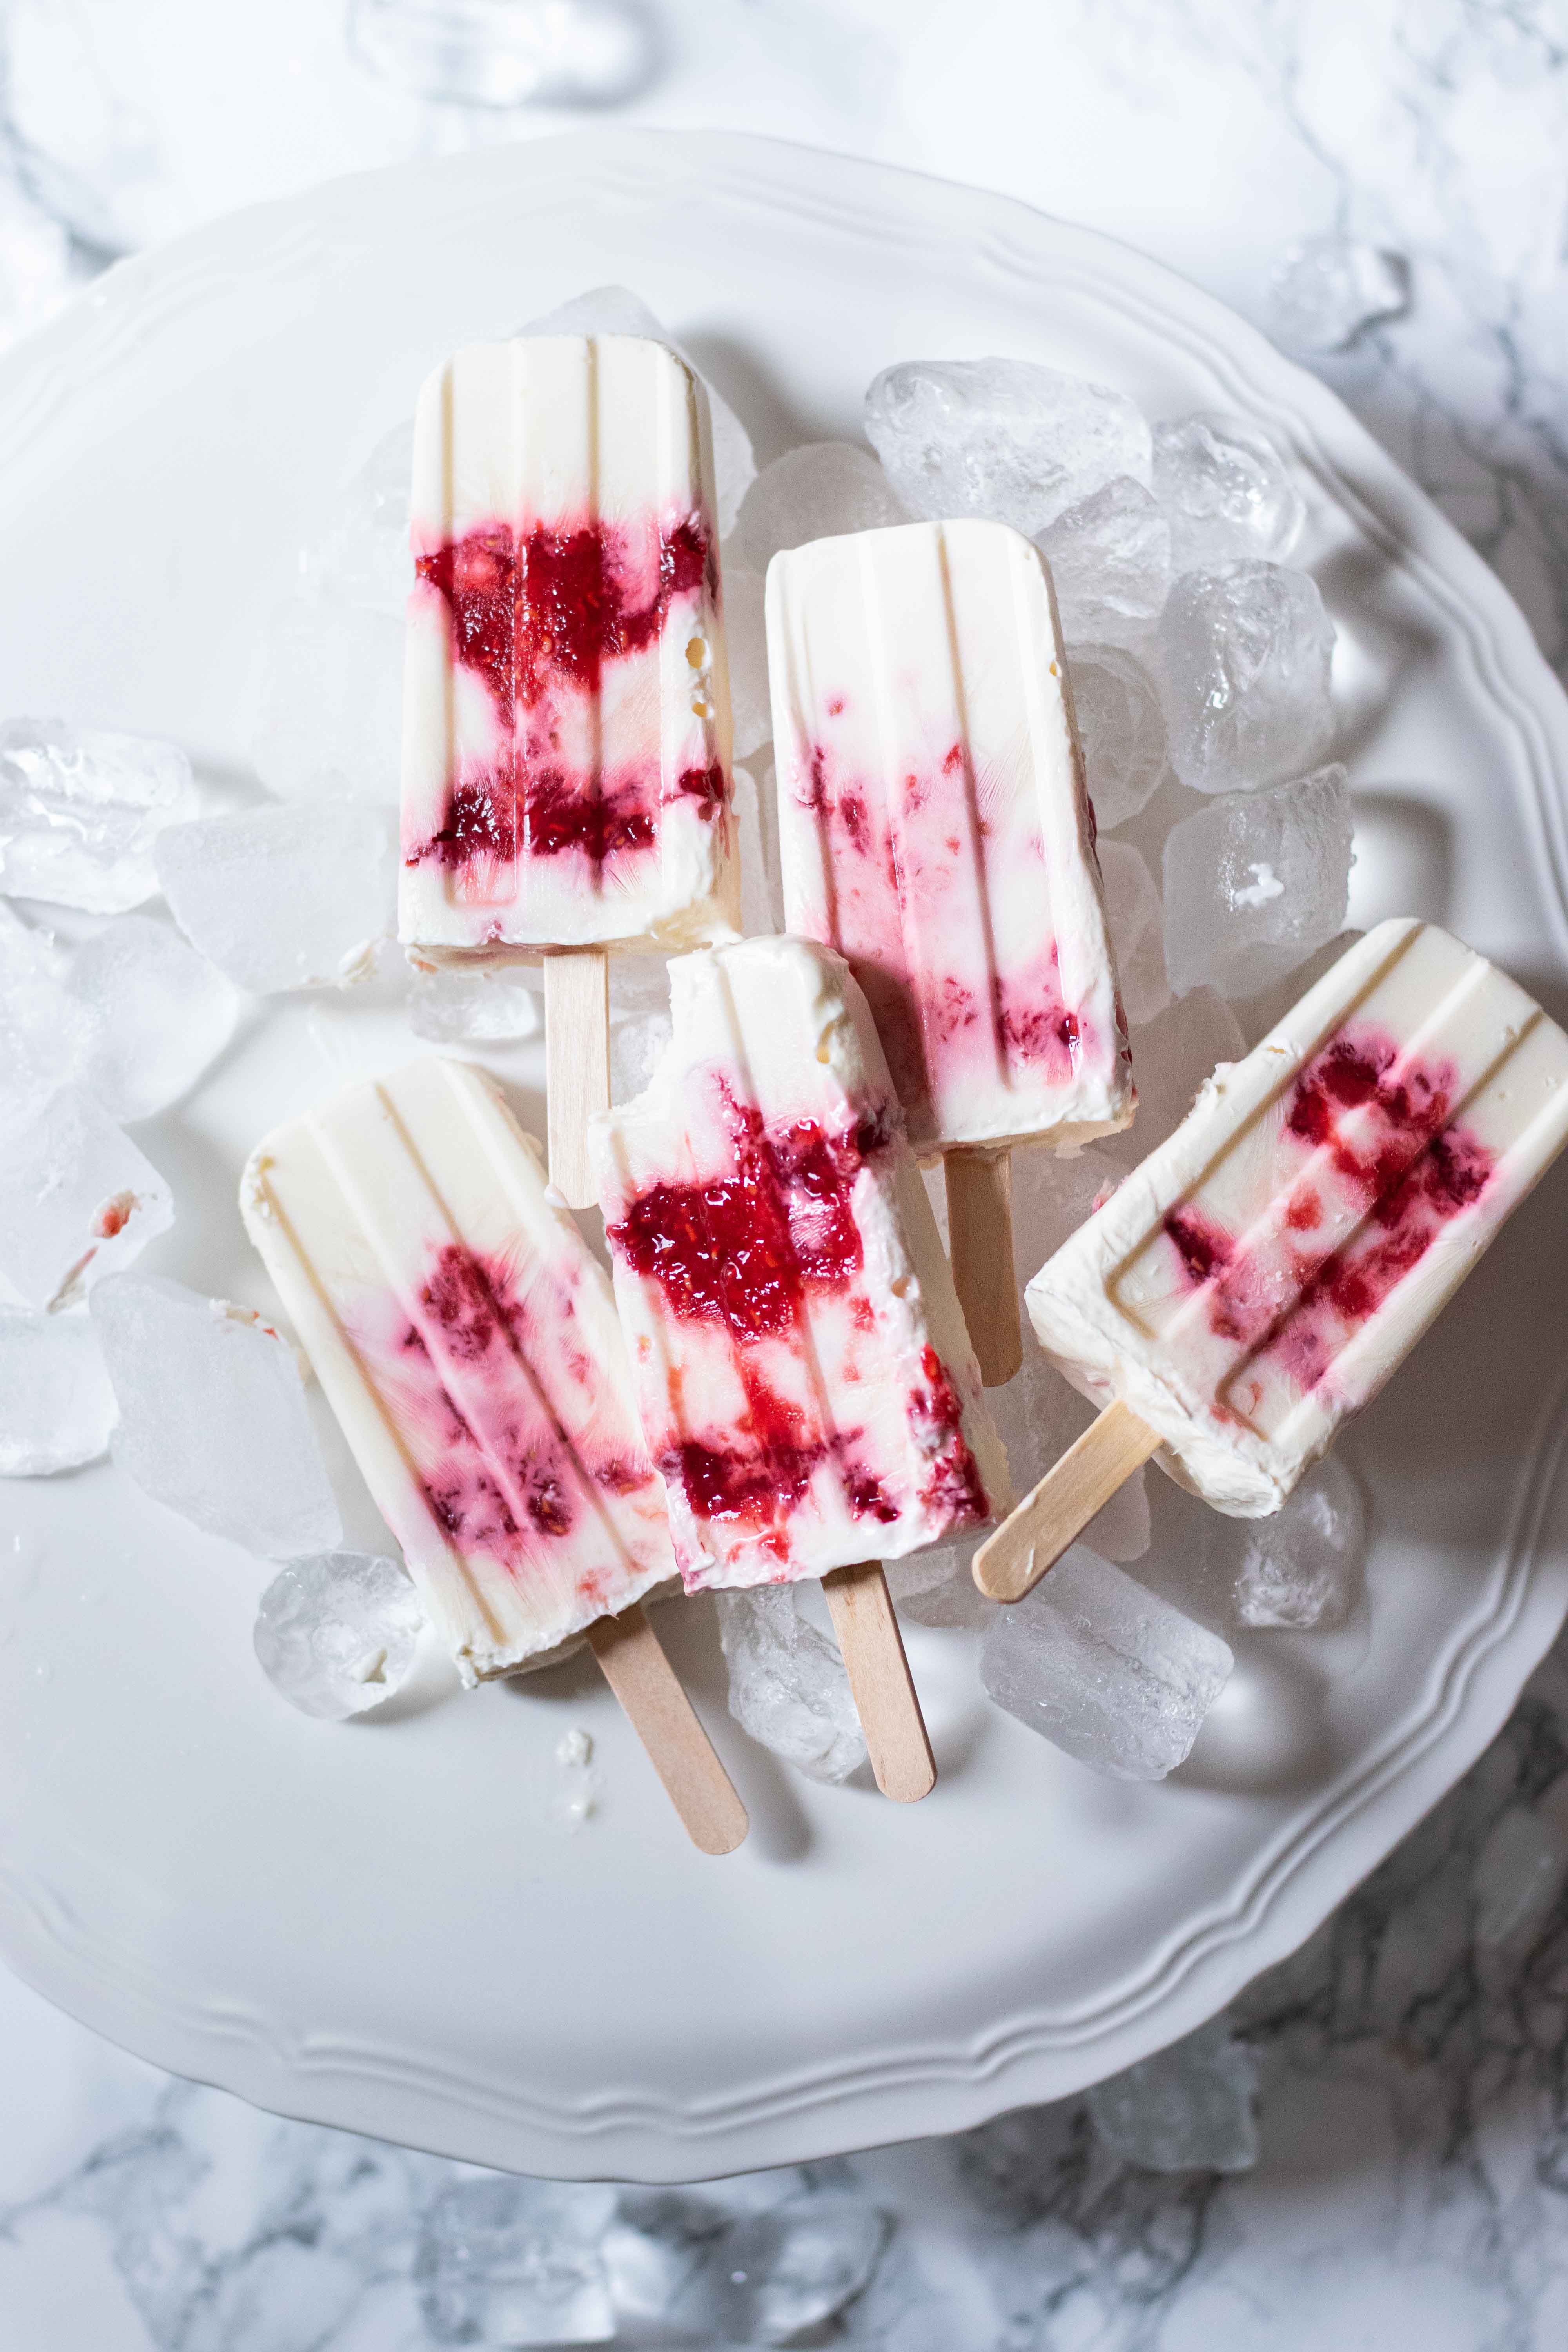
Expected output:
(1412, 2181)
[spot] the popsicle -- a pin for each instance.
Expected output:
(934, 827)
(1259, 1276)
(567, 785)
(806, 1383)
(466, 1341)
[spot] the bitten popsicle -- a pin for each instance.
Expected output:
(466, 1341)
(566, 784)
(1258, 1277)
(806, 1386)
(934, 828)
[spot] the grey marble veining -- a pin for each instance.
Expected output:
(1411, 2185)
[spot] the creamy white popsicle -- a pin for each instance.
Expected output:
(566, 721)
(934, 827)
(1261, 1275)
(467, 1340)
(805, 1384)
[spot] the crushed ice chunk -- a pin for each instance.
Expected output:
(757, 830)
(639, 984)
(284, 897)
(820, 491)
(1001, 437)
(160, 1014)
(1519, 1872)
(1106, 1671)
(1302, 1567)
(936, 1587)
(1110, 560)
(1189, 2108)
(78, 1200)
(1137, 925)
(787, 1685)
(449, 1004)
(746, 646)
(336, 1633)
(1226, 492)
(213, 1418)
(80, 812)
(1246, 650)
(328, 715)
(513, 2262)
(362, 555)
(1172, 1057)
(1326, 290)
(56, 1407)
(1121, 728)
(637, 1047)
(1256, 881)
(44, 1033)
(682, 2263)
(616, 311)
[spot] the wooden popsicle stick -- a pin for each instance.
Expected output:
(577, 1064)
(862, 1611)
(980, 1244)
(1013, 1561)
(662, 1716)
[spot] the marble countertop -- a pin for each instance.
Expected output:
(1411, 2177)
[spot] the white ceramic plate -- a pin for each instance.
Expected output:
(375, 1926)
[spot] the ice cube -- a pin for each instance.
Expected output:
(213, 1418)
(746, 644)
(284, 897)
(1327, 290)
(362, 555)
(1519, 1873)
(820, 491)
(1110, 560)
(329, 717)
(78, 1200)
(1190, 2108)
(1121, 728)
(336, 1633)
(937, 1587)
(637, 1047)
(1000, 437)
(616, 311)
(1105, 1670)
(685, 2268)
(1244, 652)
(639, 984)
(44, 1033)
(1137, 924)
(160, 1013)
(787, 1685)
(1172, 1056)
(1255, 882)
(1303, 1566)
(1226, 492)
(1051, 1198)
(79, 812)
(757, 825)
(513, 2262)
(782, 2275)
(56, 1407)
(450, 1005)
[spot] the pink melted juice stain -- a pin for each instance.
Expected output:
(743, 1252)
(1407, 1177)
(539, 618)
